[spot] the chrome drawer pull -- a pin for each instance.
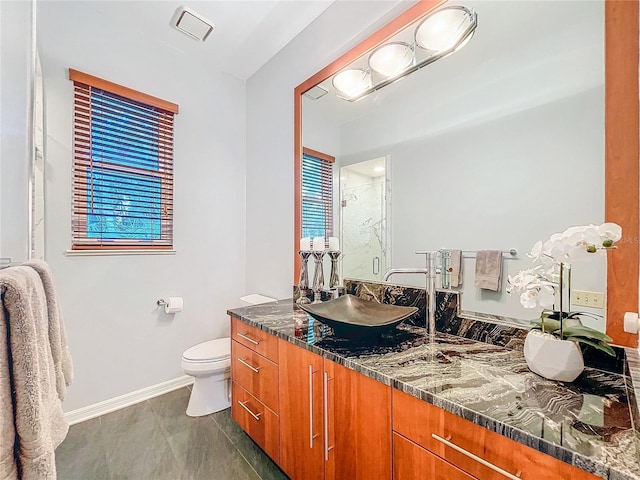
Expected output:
(466, 453)
(248, 339)
(327, 448)
(254, 415)
(311, 437)
(251, 367)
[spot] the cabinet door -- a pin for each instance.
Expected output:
(359, 425)
(411, 461)
(301, 440)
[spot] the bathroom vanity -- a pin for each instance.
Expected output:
(414, 406)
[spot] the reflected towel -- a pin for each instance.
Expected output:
(456, 268)
(489, 270)
(57, 336)
(38, 420)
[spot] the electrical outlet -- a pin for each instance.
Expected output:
(587, 299)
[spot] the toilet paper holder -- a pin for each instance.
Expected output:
(161, 302)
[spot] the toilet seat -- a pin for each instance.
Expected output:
(207, 352)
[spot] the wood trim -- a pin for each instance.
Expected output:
(297, 182)
(394, 26)
(118, 89)
(317, 154)
(622, 162)
(101, 246)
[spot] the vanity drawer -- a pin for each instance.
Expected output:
(256, 374)
(409, 458)
(260, 423)
(255, 339)
(458, 441)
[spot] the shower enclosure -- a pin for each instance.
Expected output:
(364, 207)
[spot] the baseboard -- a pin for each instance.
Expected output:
(113, 404)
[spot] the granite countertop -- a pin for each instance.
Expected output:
(588, 423)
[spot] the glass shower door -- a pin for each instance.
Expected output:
(364, 196)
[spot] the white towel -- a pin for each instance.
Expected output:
(456, 268)
(39, 423)
(57, 337)
(489, 270)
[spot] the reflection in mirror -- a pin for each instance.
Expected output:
(364, 197)
(494, 147)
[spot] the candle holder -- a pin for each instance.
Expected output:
(318, 276)
(334, 278)
(303, 284)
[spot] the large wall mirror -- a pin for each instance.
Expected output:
(495, 146)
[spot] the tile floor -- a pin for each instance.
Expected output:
(155, 440)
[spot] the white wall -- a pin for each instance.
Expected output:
(496, 185)
(119, 340)
(15, 71)
(270, 241)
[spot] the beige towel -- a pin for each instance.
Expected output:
(489, 270)
(456, 268)
(57, 337)
(39, 422)
(8, 466)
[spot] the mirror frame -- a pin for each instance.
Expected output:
(622, 147)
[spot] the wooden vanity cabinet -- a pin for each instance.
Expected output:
(321, 421)
(471, 448)
(301, 413)
(334, 422)
(254, 386)
(411, 461)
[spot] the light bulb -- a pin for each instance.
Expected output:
(443, 29)
(391, 59)
(352, 82)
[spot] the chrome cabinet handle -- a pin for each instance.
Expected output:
(254, 415)
(375, 268)
(310, 406)
(327, 448)
(478, 459)
(248, 339)
(249, 366)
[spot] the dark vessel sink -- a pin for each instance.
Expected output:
(352, 316)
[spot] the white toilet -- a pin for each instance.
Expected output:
(210, 364)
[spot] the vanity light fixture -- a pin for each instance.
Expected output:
(439, 34)
(350, 83)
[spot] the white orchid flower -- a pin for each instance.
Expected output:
(536, 251)
(610, 231)
(546, 296)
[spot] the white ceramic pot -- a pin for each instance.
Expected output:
(552, 358)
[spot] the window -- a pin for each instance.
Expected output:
(317, 194)
(122, 167)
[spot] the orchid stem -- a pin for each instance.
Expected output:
(561, 292)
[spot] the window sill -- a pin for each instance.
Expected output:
(101, 253)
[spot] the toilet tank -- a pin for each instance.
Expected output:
(255, 299)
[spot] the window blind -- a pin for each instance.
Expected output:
(317, 194)
(122, 169)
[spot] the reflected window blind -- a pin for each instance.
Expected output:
(122, 168)
(317, 195)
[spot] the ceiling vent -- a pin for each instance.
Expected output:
(314, 93)
(191, 23)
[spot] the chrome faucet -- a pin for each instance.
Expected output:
(403, 270)
(430, 284)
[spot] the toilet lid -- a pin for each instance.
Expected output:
(218, 349)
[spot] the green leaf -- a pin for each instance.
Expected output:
(600, 346)
(549, 325)
(586, 332)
